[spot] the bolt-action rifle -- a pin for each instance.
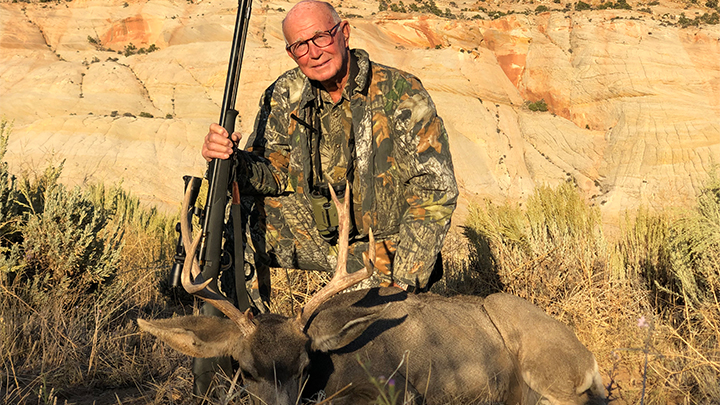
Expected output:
(221, 182)
(222, 241)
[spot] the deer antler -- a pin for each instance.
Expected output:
(195, 285)
(342, 279)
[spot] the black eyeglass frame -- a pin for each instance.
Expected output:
(293, 47)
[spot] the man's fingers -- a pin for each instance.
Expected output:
(218, 129)
(209, 153)
(219, 140)
(218, 134)
(217, 145)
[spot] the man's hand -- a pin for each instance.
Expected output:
(217, 145)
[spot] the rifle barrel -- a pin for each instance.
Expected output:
(219, 170)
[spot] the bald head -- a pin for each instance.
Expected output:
(318, 41)
(319, 11)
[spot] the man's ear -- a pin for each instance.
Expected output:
(346, 33)
(196, 336)
(336, 329)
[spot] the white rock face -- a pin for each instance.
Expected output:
(634, 103)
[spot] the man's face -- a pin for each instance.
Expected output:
(325, 64)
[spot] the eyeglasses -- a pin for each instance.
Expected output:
(321, 40)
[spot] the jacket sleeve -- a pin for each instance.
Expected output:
(430, 188)
(263, 165)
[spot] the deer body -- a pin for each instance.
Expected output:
(498, 349)
(449, 342)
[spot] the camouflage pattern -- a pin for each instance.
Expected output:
(335, 148)
(403, 184)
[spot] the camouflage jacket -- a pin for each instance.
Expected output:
(404, 186)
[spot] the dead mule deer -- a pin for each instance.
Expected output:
(499, 349)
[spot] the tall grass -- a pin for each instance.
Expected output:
(645, 303)
(526, 244)
(79, 265)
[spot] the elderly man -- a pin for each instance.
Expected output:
(340, 117)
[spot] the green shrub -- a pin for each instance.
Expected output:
(684, 21)
(644, 252)
(421, 6)
(152, 48)
(130, 49)
(9, 208)
(54, 239)
(695, 243)
(539, 105)
(76, 265)
(71, 244)
(398, 8)
(619, 5)
(581, 5)
(496, 14)
(710, 19)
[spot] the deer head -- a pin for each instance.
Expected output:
(273, 351)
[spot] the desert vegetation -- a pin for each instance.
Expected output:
(494, 11)
(644, 301)
(80, 265)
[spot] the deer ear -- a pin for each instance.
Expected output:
(326, 337)
(196, 336)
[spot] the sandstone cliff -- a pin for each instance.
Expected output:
(633, 98)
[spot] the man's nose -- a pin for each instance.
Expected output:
(314, 51)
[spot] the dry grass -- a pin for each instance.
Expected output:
(646, 304)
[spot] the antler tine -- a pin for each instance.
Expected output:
(342, 279)
(195, 285)
(192, 264)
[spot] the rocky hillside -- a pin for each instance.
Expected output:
(623, 99)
